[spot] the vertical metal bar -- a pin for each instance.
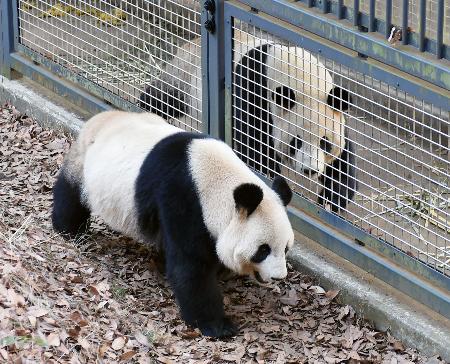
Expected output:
(8, 25)
(372, 16)
(440, 29)
(388, 17)
(405, 33)
(340, 12)
(15, 22)
(422, 25)
(204, 65)
(310, 3)
(213, 72)
(229, 47)
(356, 13)
(324, 6)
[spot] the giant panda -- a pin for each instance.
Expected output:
(287, 111)
(186, 192)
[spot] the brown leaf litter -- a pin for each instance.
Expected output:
(102, 300)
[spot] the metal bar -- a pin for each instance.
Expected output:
(388, 18)
(310, 3)
(204, 66)
(372, 16)
(355, 13)
(338, 33)
(15, 22)
(405, 32)
(55, 78)
(8, 28)
(440, 29)
(215, 72)
(340, 11)
(422, 25)
(228, 42)
(325, 6)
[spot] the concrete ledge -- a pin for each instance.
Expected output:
(414, 324)
(39, 103)
(388, 309)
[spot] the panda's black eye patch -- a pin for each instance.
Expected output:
(261, 254)
(325, 144)
(295, 144)
(284, 97)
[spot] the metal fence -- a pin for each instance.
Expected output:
(257, 74)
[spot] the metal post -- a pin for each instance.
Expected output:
(405, 33)
(388, 17)
(422, 22)
(440, 29)
(372, 16)
(213, 80)
(340, 12)
(8, 36)
(356, 13)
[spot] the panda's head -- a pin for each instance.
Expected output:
(289, 94)
(318, 137)
(305, 104)
(259, 235)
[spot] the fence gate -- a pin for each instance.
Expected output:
(258, 75)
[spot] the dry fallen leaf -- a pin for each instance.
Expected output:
(128, 355)
(118, 343)
(331, 294)
(53, 339)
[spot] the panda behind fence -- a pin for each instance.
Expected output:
(287, 111)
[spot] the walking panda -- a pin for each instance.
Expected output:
(287, 111)
(188, 193)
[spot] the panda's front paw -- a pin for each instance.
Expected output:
(219, 329)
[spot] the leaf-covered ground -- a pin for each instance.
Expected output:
(103, 300)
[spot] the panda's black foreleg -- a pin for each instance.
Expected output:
(339, 180)
(70, 216)
(197, 293)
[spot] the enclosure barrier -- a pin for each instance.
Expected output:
(184, 60)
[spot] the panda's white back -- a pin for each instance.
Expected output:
(112, 162)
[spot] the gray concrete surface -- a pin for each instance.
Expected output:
(39, 103)
(409, 321)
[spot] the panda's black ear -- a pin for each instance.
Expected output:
(247, 196)
(339, 98)
(283, 190)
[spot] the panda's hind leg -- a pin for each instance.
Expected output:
(70, 217)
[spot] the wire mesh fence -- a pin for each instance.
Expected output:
(121, 45)
(386, 158)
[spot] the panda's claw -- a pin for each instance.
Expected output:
(219, 329)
